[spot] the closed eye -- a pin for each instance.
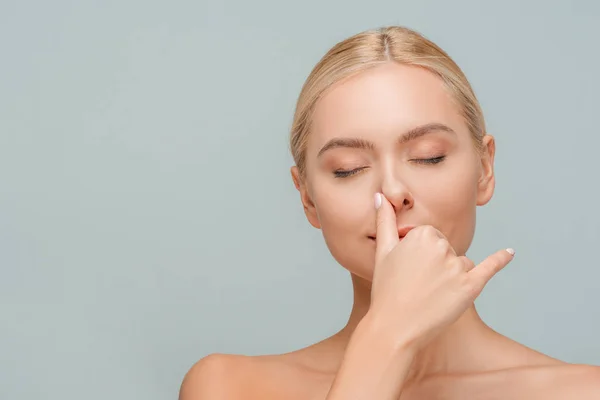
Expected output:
(341, 173)
(434, 160)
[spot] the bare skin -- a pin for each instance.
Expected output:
(461, 358)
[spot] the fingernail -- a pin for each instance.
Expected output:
(377, 200)
(511, 251)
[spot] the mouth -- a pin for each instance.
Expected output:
(402, 232)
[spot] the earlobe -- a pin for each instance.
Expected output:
(309, 207)
(485, 191)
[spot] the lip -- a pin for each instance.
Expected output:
(402, 231)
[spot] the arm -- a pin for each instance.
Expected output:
(375, 365)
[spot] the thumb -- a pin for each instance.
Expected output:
(387, 231)
(489, 267)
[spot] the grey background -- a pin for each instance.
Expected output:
(148, 218)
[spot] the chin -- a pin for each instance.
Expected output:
(365, 275)
(359, 262)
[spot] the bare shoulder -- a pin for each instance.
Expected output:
(229, 376)
(539, 374)
(573, 381)
(555, 382)
(219, 376)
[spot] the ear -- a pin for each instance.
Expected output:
(309, 207)
(487, 180)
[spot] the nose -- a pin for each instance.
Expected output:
(397, 193)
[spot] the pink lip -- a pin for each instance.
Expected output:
(402, 231)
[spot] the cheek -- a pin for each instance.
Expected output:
(451, 201)
(452, 194)
(344, 218)
(341, 213)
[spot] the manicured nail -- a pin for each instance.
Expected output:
(511, 251)
(377, 200)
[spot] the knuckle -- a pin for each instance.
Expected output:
(441, 244)
(468, 263)
(413, 233)
(418, 230)
(457, 267)
(429, 230)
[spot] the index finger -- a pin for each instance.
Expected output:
(387, 230)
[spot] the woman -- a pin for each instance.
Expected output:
(392, 158)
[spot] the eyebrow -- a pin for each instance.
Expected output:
(412, 134)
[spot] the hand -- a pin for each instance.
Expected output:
(420, 285)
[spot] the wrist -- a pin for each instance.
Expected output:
(388, 334)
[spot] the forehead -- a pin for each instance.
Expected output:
(383, 102)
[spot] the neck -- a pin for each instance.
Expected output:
(455, 350)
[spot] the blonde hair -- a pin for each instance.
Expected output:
(369, 49)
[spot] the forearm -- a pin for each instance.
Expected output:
(374, 366)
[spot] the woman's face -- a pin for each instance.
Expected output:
(359, 144)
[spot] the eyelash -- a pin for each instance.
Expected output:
(434, 160)
(429, 161)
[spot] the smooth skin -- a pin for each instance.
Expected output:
(413, 332)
